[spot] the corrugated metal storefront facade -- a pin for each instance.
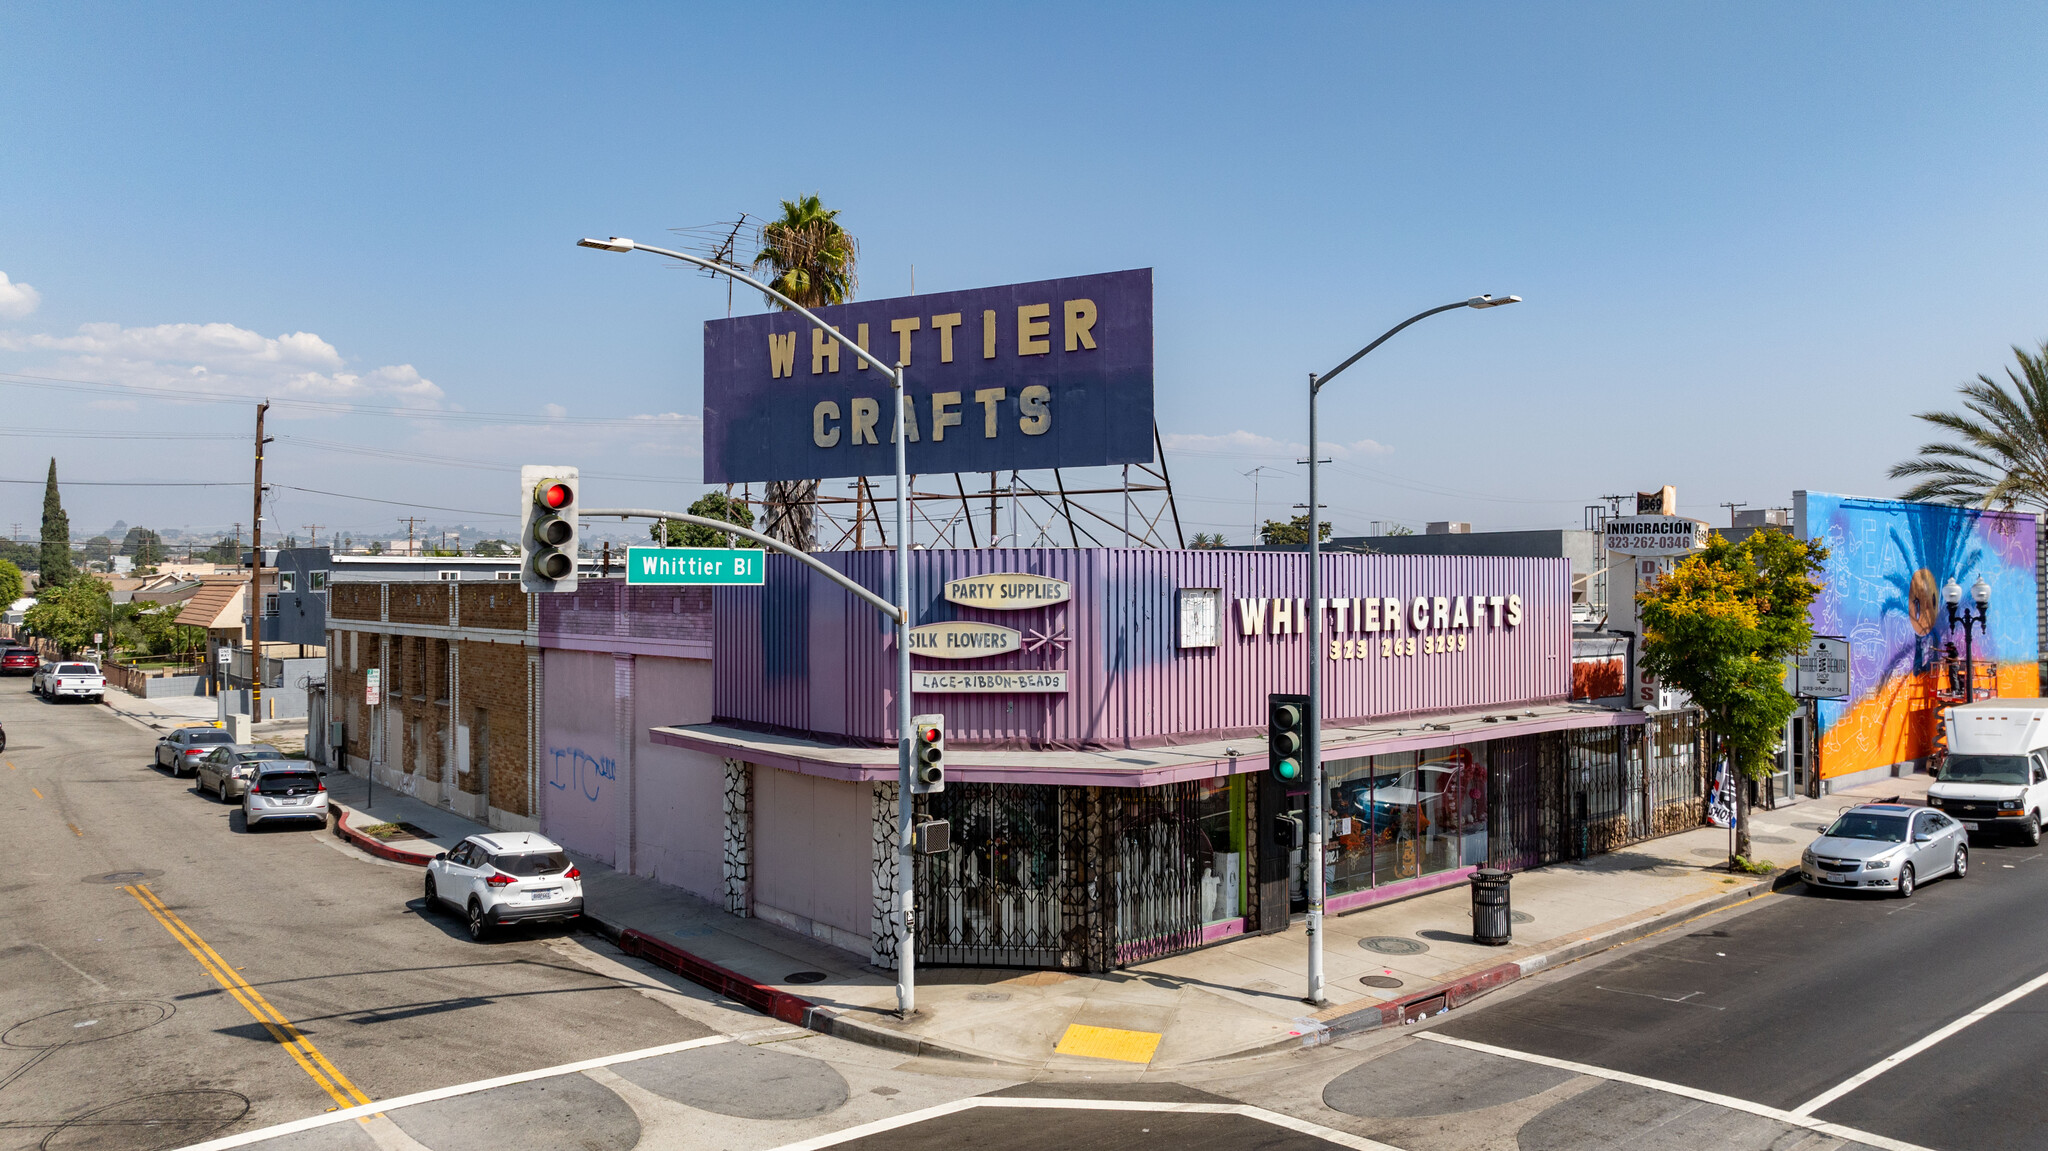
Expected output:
(801, 655)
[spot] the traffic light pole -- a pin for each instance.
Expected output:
(1312, 745)
(906, 949)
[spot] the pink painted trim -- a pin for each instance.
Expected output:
(1216, 932)
(626, 645)
(1353, 900)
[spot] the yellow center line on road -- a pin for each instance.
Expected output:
(75, 831)
(300, 1048)
(38, 792)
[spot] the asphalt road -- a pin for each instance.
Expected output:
(126, 890)
(1781, 1005)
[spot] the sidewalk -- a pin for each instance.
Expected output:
(169, 712)
(1234, 999)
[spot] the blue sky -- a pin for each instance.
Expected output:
(1752, 238)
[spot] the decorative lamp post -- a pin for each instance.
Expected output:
(1952, 593)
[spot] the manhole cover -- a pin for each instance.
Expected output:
(118, 878)
(805, 977)
(1393, 945)
(1379, 981)
(1754, 838)
(148, 1122)
(1516, 916)
(87, 1024)
(1711, 852)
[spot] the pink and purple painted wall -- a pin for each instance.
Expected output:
(1403, 635)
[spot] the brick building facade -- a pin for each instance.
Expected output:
(461, 676)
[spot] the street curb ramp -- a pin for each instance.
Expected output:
(772, 1001)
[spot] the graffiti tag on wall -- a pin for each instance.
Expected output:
(573, 769)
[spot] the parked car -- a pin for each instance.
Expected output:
(68, 679)
(284, 794)
(181, 751)
(1888, 847)
(19, 661)
(506, 877)
(227, 770)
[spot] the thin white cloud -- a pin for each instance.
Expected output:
(17, 299)
(222, 358)
(1251, 445)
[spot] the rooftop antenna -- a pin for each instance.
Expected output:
(1254, 476)
(720, 242)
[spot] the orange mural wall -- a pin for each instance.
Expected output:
(1897, 722)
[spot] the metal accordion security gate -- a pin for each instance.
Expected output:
(1567, 795)
(1079, 878)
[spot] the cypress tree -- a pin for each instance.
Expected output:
(56, 558)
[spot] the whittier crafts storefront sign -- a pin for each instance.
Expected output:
(1384, 626)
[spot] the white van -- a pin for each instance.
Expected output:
(1995, 777)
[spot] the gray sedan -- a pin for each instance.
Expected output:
(226, 771)
(1887, 847)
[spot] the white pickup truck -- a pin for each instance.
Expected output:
(1995, 777)
(59, 679)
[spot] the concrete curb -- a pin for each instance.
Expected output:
(772, 1001)
(1442, 997)
(371, 843)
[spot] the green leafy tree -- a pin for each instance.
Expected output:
(1719, 627)
(710, 505)
(225, 551)
(159, 633)
(27, 557)
(11, 584)
(1293, 533)
(70, 614)
(812, 260)
(98, 549)
(1400, 530)
(376, 547)
(55, 561)
(496, 548)
(2000, 451)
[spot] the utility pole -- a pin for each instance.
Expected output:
(312, 535)
(1731, 506)
(411, 523)
(256, 579)
(1254, 475)
(1614, 503)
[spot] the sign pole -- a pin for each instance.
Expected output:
(906, 858)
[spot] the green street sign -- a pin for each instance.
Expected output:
(742, 566)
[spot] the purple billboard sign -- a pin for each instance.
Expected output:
(1051, 374)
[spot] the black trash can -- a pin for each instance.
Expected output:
(1492, 919)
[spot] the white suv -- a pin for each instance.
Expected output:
(505, 877)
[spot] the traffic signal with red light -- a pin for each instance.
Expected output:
(1286, 737)
(548, 528)
(927, 754)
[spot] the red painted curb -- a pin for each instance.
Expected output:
(373, 845)
(1444, 996)
(731, 984)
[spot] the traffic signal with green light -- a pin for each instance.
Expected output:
(927, 754)
(1287, 738)
(548, 528)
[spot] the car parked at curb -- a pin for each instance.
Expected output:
(69, 679)
(227, 770)
(19, 661)
(1890, 847)
(180, 752)
(288, 793)
(505, 877)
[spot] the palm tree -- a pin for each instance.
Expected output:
(2002, 458)
(1206, 541)
(812, 260)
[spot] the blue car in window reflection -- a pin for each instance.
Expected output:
(1379, 801)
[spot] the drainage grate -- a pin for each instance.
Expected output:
(1393, 945)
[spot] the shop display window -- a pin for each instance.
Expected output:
(1405, 814)
(1219, 853)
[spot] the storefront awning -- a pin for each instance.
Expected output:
(1136, 767)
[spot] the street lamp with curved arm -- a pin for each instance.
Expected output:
(1313, 745)
(906, 952)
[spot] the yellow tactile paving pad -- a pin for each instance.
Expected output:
(1108, 1043)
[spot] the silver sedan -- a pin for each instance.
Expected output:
(1890, 847)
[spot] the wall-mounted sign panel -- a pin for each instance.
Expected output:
(963, 639)
(373, 687)
(988, 681)
(1821, 669)
(719, 566)
(1056, 373)
(1654, 535)
(1007, 591)
(1199, 607)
